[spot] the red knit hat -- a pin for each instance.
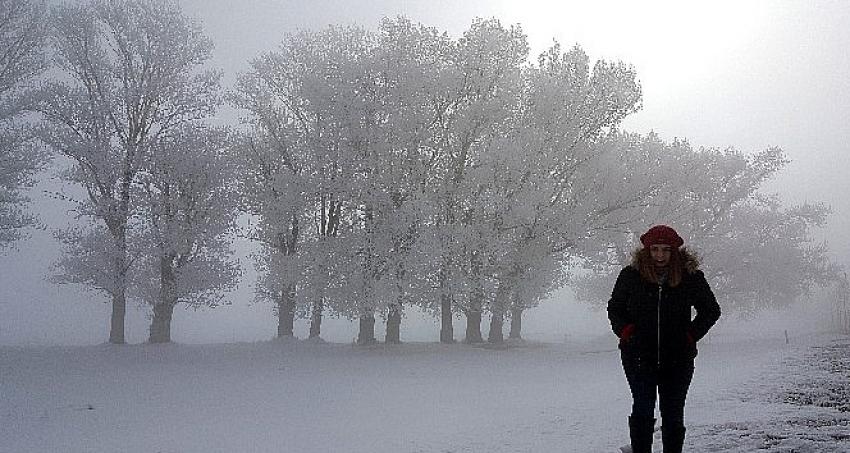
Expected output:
(661, 234)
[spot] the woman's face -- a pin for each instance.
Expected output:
(660, 254)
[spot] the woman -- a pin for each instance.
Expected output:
(650, 311)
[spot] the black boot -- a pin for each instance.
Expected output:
(640, 431)
(672, 437)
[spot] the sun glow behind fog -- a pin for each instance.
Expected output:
(677, 47)
(641, 31)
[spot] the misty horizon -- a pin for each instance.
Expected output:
(790, 93)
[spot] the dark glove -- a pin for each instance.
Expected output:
(691, 338)
(627, 333)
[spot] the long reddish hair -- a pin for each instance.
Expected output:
(675, 268)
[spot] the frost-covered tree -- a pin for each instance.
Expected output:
(416, 160)
(188, 203)
(402, 167)
(128, 80)
(537, 180)
(22, 34)
(575, 106)
(87, 249)
(763, 254)
(411, 70)
(343, 123)
(756, 252)
(483, 93)
(299, 165)
(273, 193)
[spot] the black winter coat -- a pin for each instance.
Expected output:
(636, 301)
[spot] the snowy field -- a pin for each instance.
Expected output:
(295, 396)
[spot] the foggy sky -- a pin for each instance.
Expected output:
(743, 74)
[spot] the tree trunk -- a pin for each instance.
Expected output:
(286, 313)
(119, 300)
(497, 318)
(476, 302)
(160, 330)
(516, 324)
(496, 323)
(316, 318)
(119, 310)
(447, 334)
(366, 335)
(473, 327)
(116, 223)
(393, 324)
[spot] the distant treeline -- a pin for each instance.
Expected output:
(381, 169)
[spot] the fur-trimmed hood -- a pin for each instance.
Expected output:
(689, 259)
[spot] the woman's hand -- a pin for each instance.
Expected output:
(627, 333)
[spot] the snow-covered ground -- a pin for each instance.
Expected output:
(296, 396)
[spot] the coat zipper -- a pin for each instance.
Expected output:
(658, 333)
